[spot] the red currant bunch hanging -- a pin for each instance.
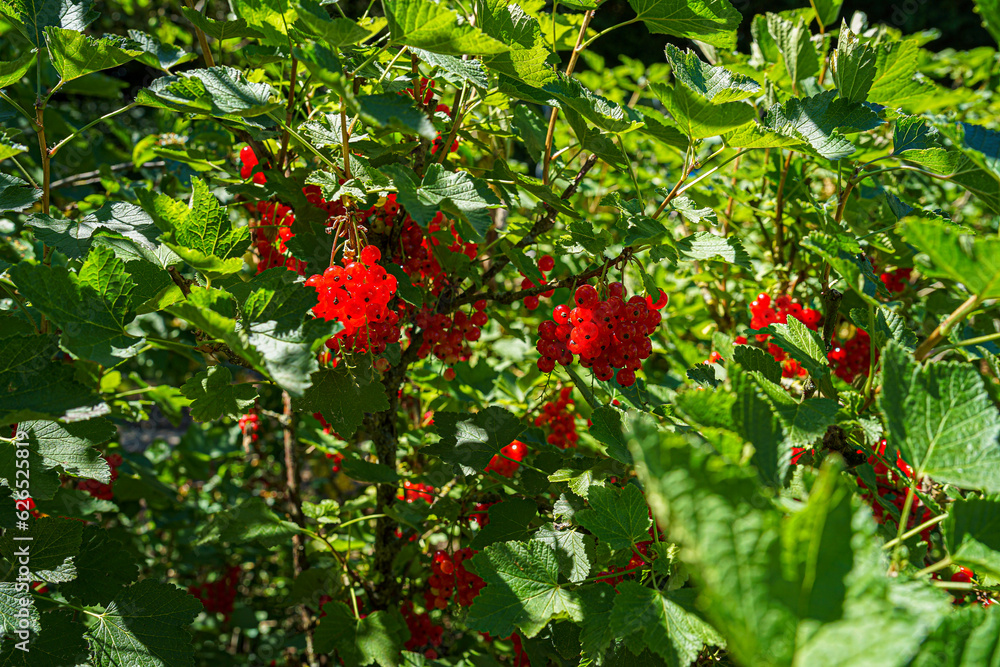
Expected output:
(100, 490)
(765, 313)
(851, 358)
(357, 295)
(423, 631)
(250, 424)
(559, 417)
(607, 334)
(413, 491)
(505, 467)
(896, 280)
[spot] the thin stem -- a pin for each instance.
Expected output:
(456, 110)
(295, 135)
(702, 176)
(25, 172)
(971, 341)
(345, 137)
(202, 40)
(289, 112)
(870, 382)
(940, 565)
(44, 151)
(779, 210)
(943, 329)
(607, 30)
(914, 531)
(367, 517)
(555, 112)
(31, 119)
(55, 149)
(904, 518)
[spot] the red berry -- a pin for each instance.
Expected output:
(546, 263)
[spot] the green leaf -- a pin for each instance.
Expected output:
(711, 21)
(827, 11)
(11, 596)
(989, 10)
(334, 32)
(853, 66)
(668, 628)
(202, 225)
(705, 245)
(58, 641)
(271, 18)
(595, 629)
(968, 636)
(755, 359)
(213, 396)
(529, 55)
(34, 386)
(620, 520)
(252, 521)
(942, 419)
(104, 567)
(12, 71)
(16, 195)
(433, 27)
(145, 626)
(912, 133)
(74, 238)
(889, 325)
(472, 442)
(607, 429)
(91, 308)
(845, 255)
(804, 421)
(31, 17)
(509, 521)
(222, 92)
(365, 471)
(756, 421)
(897, 83)
(570, 549)
(71, 446)
(960, 167)
(451, 192)
(971, 262)
(802, 344)
(9, 147)
(343, 399)
(794, 43)
(156, 54)
(688, 209)
(818, 120)
(704, 374)
(468, 71)
(376, 639)
(522, 590)
(54, 543)
(75, 55)
(972, 534)
(715, 84)
(221, 30)
(698, 118)
(395, 112)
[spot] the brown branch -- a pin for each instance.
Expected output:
(544, 224)
(294, 502)
(289, 112)
(779, 227)
(202, 39)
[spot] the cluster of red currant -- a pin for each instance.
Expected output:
(896, 280)
(218, 596)
(448, 576)
(250, 424)
(448, 336)
(504, 466)
(560, 418)
(545, 264)
(606, 333)
(337, 458)
(851, 358)
(418, 247)
(424, 634)
(764, 313)
(891, 487)
(100, 490)
(412, 491)
(357, 295)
